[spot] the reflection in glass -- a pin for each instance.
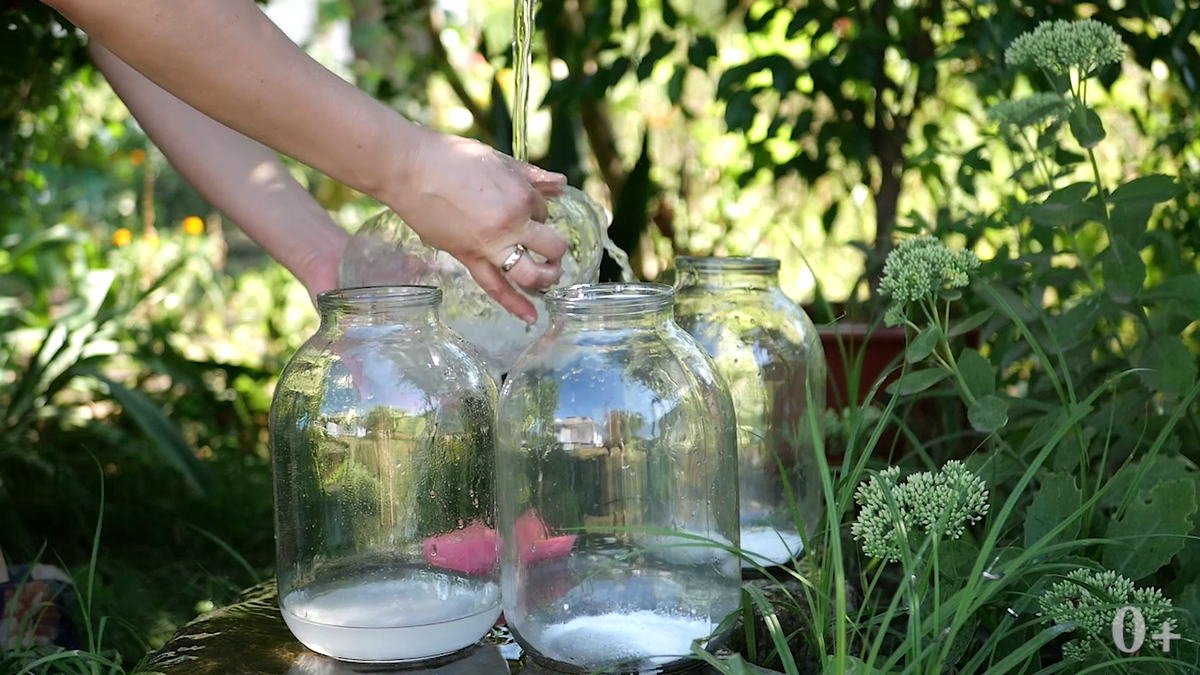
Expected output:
(617, 482)
(768, 351)
(383, 452)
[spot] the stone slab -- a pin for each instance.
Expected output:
(249, 637)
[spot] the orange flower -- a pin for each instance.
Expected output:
(122, 237)
(137, 156)
(193, 225)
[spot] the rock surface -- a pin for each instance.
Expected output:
(249, 637)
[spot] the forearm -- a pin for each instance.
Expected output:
(226, 59)
(242, 178)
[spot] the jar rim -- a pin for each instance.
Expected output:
(727, 264)
(399, 297)
(609, 298)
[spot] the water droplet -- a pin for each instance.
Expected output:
(470, 493)
(475, 502)
(460, 522)
(533, 547)
(566, 607)
(431, 493)
(433, 550)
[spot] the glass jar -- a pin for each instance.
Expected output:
(386, 251)
(382, 442)
(617, 484)
(766, 347)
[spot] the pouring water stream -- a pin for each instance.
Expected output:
(523, 16)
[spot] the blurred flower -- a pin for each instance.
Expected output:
(920, 267)
(137, 157)
(1059, 46)
(1027, 112)
(193, 225)
(1092, 599)
(122, 237)
(151, 238)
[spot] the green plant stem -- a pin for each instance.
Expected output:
(947, 358)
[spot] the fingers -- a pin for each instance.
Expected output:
(537, 175)
(535, 205)
(545, 241)
(534, 276)
(494, 284)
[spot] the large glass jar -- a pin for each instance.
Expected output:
(382, 440)
(617, 484)
(765, 347)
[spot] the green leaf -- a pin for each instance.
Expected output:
(675, 85)
(659, 47)
(977, 372)
(632, 13)
(1183, 290)
(740, 111)
(1086, 126)
(1189, 600)
(669, 15)
(1152, 189)
(1056, 499)
(1148, 473)
(1152, 530)
(918, 381)
(922, 345)
(1078, 322)
(1021, 655)
(1066, 207)
(1124, 271)
(1172, 366)
(702, 50)
(162, 431)
(1130, 221)
(990, 413)
(971, 323)
(1049, 425)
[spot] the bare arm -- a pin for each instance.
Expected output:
(242, 178)
(227, 60)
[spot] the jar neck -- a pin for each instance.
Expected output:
(727, 273)
(611, 305)
(414, 306)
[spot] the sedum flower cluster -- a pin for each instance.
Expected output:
(1030, 111)
(920, 267)
(1092, 599)
(941, 504)
(1062, 46)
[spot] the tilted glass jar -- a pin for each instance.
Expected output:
(382, 441)
(385, 250)
(766, 347)
(617, 486)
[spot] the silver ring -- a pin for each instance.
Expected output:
(513, 258)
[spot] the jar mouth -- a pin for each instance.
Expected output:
(727, 264)
(612, 298)
(398, 297)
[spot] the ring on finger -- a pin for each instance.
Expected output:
(513, 258)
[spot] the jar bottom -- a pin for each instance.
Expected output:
(627, 643)
(767, 546)
(370, 620)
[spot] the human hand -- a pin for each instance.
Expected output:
(482, 207)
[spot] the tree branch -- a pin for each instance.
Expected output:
(435, 24)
